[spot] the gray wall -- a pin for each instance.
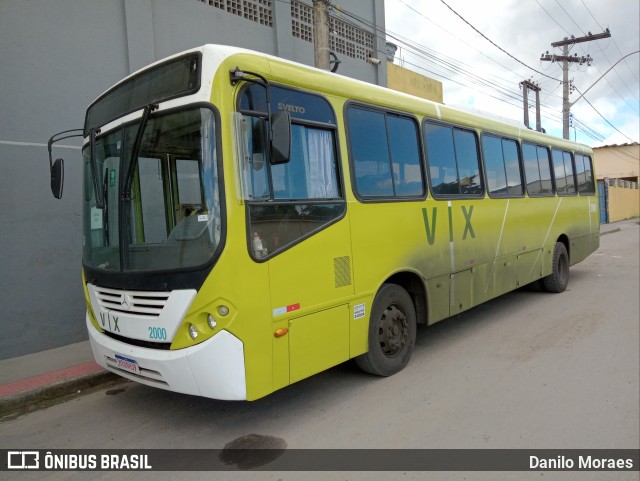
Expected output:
(56, 57)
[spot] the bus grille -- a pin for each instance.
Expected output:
(139, 303)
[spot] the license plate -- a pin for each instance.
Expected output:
(127, 364)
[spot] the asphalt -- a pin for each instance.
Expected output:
(38, 379)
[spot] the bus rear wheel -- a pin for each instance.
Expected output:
(392, 332)
(558, 280)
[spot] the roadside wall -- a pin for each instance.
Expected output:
(624, 200)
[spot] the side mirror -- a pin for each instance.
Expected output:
(56, 169)
(57, 178)
(280, 137)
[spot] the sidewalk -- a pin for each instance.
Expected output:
(42, 376)
(47, 375)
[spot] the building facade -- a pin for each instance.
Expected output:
(57, 57)
(618, 171)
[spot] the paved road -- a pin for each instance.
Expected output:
(527, 370)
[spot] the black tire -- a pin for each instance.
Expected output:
(392, 332)
(558, 280)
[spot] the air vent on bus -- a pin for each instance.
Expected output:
(342, 269)
(137, 303)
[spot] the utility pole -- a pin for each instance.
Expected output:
(321, 33)
(566, 60)
(526, 86)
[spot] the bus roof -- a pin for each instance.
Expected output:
(310, 78)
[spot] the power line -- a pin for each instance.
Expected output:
(437, 25)
(571, 18)
(622, 97)
(603, 118)
(452, 66)
(552, 17)
(423, 53)
(448, 64)
(495, 44)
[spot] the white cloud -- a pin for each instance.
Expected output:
(523, 28)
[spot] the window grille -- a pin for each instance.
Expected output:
(258, 11)
(346, 39)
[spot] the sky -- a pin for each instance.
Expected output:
(434, 41)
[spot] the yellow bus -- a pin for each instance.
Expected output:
(249, 221)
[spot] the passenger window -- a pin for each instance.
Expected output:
(584, 173)
(405, 155)
(454, 166)
(311, 172)
(563, 172)
(537, 170)
(385, 154)
(568, 166)
(370, 153)
(502, 166)
(544, 162)
(512, 167)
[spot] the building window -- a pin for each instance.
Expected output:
(346, 39)
(258, 11)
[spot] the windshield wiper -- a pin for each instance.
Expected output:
(126, 192)
(105, 200)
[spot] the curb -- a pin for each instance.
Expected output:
(18, 397)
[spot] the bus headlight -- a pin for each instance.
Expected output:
(211, 321)
(223, 310)
(193, 332)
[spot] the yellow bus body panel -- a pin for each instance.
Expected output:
(464, 251)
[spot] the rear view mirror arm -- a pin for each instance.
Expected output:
(55, 138)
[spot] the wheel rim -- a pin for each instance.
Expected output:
(393, 331)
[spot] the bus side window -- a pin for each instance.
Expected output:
(370, 153)
(584, 173)
(405, 156)
(454, 163)
(563, 172)
(311, 172)
(544, 163)
(502, 166)
(571, 178)
(385, 154)
(537, 170)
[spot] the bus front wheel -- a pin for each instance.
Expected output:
(392, 332)
(558, 280)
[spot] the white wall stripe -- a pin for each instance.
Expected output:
(34, 144)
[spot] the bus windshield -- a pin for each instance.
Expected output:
(172, 217)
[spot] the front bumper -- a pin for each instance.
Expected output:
(214, 368)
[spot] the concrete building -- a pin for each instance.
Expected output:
(618, 172)
(57, 57)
